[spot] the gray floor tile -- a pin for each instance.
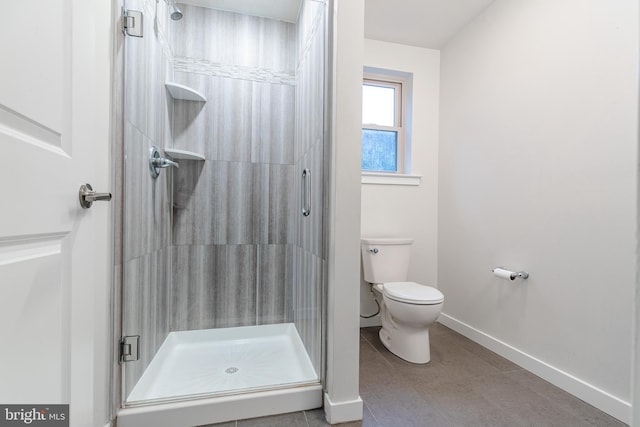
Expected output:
(523, 405)
(493, 359)
(368, 420)
(584, 413)
(463, 406)
(294, 419)
(463, 385)
(315, 418)
(229, 424)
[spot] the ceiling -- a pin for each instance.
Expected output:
(282, 10)
(423, 23)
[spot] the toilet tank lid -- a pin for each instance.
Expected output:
(386, 240)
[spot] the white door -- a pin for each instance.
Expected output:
(54, 255)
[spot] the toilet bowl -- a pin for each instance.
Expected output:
(407, 309)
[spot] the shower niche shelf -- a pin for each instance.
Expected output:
(179, 91)
(178, 154)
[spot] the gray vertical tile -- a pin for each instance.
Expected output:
(146, 100)
(316, 64)
(231, 203)
(235, 282)
(115, 374)
(135, 276)
(307, 302)
(214, 204)
(276, 48)
(213, 286)
(135, 243)
(193, 289)
(231, 119)
(233, 38)
(317, 198)
(117, 150)
(272, 126)
(272, 202)
(146, 305)
(273, 278)
(219, 129)
(147, 214)
(188, 205)
(163, 282)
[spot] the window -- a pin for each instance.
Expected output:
(383, 124)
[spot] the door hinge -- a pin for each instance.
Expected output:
(132, 23)
(130, 348)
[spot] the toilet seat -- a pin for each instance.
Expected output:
(412, 293)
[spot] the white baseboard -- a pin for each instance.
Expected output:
(602, 400)
(342, 412)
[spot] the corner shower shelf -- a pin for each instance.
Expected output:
(183, 154)
(179, 91)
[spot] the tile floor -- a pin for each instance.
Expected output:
(463, 385)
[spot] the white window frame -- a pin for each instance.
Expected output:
(399, 84)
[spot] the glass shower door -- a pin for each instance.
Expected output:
(223, 274)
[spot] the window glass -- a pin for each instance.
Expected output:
(378, 105)
(379, 150)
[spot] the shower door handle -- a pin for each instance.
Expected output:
(306, 192)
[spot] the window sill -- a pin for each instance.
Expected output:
(390, 179)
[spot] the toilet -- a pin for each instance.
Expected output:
(407, 309)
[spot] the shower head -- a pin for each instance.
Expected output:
(174, 11)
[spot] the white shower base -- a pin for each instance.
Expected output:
(216, 375)
(224, 361)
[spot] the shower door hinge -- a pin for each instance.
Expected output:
(132, 23)
(130, 348)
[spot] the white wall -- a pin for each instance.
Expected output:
(393, 210)
(342, 401)
(537, 171)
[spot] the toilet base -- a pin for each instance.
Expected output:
(410, 344)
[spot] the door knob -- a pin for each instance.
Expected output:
(87, 196)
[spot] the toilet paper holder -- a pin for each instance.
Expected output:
(508, 274)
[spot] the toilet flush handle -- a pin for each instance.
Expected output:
(374, 250)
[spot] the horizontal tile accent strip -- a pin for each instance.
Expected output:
(202, 66)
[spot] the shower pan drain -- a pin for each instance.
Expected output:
(231, 370)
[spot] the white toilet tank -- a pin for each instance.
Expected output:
(385, 259)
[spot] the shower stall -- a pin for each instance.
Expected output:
(223, 210)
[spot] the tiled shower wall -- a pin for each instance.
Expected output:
(146, 215)
(232, 213)
(244, 254)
